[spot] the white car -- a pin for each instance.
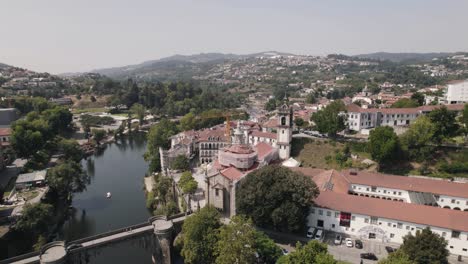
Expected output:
(349, 242)
(338, 240)
(310, 232)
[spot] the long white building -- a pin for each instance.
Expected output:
(457, 92)
(367, 118)
(388, 207)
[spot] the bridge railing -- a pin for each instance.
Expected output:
(21, 257)
(110, 233)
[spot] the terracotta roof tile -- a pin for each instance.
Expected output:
(440, 187)
(413, 213)
(264, 134)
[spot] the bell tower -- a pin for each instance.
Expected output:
(284, 131)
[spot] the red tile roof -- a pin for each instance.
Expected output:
(4, 132)
(271, 123)
(264, 134)
(413, 213)
(232, 173)
(440, 187)
(263, 149)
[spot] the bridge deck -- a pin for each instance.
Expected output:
(118, 236)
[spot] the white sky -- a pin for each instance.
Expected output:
(65, 36)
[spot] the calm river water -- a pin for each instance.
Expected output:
(118, 169)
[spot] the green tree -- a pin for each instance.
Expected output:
(35, 219)
(236, 242)
(405, 103)
(140, 111)
(425, 247)
(159, 135)
(181, 162)
(70, 149)
(270, 105)
(445, 123)
(311, 99)
(397, 257)
(384, 144)
(27, 138)
(299, 122)
(330, 120)
(312, 252)
(464, 120)
(66, 178)
(188, 122)
(276, 197)
(418, 97)
(199, 233)
(98, 135)
(417, 138)
(163, 189)
(187, 183)
(266, 248)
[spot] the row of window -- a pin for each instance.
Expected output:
(375, 189)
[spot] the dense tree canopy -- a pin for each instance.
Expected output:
(425, 247)
(66, 178)
(200, 232)
(312, 252)
(445, 123)
(181, 162)
(384, 144)
(35, 219)
(236, 242)
(276, 197)
(417, 138)
(405, 103)
(140, 111)
(329, 120)
(397, 257)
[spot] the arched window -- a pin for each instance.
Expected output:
(456, 208)
(447, 207)
(283, 121)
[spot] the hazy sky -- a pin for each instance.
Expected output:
(64, 35)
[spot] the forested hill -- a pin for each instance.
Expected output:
(404, 57)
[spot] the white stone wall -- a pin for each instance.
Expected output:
(381, 192)
(457, 93)
(453, 202)
(253, 140)
(386, 230)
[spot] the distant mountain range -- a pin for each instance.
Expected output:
(405, 57)
(181, 62)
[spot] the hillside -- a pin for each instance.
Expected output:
(404, 57)
(184, 66)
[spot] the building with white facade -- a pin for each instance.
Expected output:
(457, 92)
(361, 118)
(382, 207)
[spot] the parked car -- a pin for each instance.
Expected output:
(389, 249)
(319, 235)
(358, 244)
(370, 256)
(338, 240)
(310, 232)
(285, 251)
(349, 242)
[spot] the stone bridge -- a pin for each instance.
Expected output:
(158, 234)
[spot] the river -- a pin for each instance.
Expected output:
(118, 169)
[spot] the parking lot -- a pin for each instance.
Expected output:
(352, 254)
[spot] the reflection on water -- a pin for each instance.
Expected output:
(118, 168)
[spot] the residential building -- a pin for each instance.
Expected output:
(457, 92)
(359, 118)
(374, 206)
